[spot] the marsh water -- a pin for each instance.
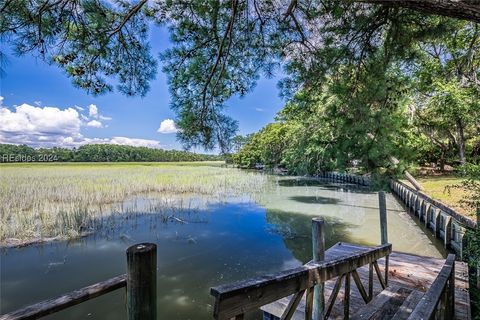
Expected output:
(197, 249)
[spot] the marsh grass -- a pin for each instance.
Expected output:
(66, 200)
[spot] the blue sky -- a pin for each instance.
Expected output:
(30, 81)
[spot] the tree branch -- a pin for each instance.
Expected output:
(461, 9)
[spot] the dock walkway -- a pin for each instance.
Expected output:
(415, 273)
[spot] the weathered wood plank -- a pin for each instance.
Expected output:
(50, 306)
(385, 303)
(408, 305)
(429, 302)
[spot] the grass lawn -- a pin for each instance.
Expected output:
(436, 187)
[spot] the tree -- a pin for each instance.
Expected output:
(341, 124)
(447, 73)
(220, 48)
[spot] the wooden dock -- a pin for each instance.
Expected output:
(406, 286)
(413, 273)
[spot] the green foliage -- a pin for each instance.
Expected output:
(266, 147)
(342, 125)
(91, 40)
(98, 153)
(447, 107)
(220, 48)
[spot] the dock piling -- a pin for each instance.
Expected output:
(383, 228)
(142, 282)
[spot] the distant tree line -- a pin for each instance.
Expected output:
(98, 153)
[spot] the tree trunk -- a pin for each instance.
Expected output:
(461, 9)
(442, 162)
(461, 142)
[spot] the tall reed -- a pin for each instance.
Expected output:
(48, 200)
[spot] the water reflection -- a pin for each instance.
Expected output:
(296, 231)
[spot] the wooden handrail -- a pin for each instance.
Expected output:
(443, 286)
(50, 306)
(238, 298)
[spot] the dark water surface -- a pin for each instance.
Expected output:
(218, 244)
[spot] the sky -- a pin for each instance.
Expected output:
(40, 107)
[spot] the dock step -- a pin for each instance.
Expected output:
(395, 302)
(408, 305)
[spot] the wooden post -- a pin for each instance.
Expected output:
(450, 307)
(318, 244)
(346, 298)
(448, 231)
(383, 227)
(383, 217)
(437, 216)
(142, 282)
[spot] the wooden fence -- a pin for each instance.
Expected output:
(446, 223)
(346, 177)
(140, 282)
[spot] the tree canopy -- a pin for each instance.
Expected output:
(220, 48)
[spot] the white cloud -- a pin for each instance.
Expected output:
(38, 103)
(104, 118)
(30, 120)
(94, 124)
(79, 108)
(167, 126)
(259, 109)
(50, 126)
(93, 111)
(1, 101)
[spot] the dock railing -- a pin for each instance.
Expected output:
(234, 300)
(140, 283)
(439, 301)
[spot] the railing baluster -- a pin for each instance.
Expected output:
(370, 281)
(450, 293)
(379, 274)
(309, 304)
(333, 296)
(346, 297)
(387, 259)
(360, 287)
(292, 306)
